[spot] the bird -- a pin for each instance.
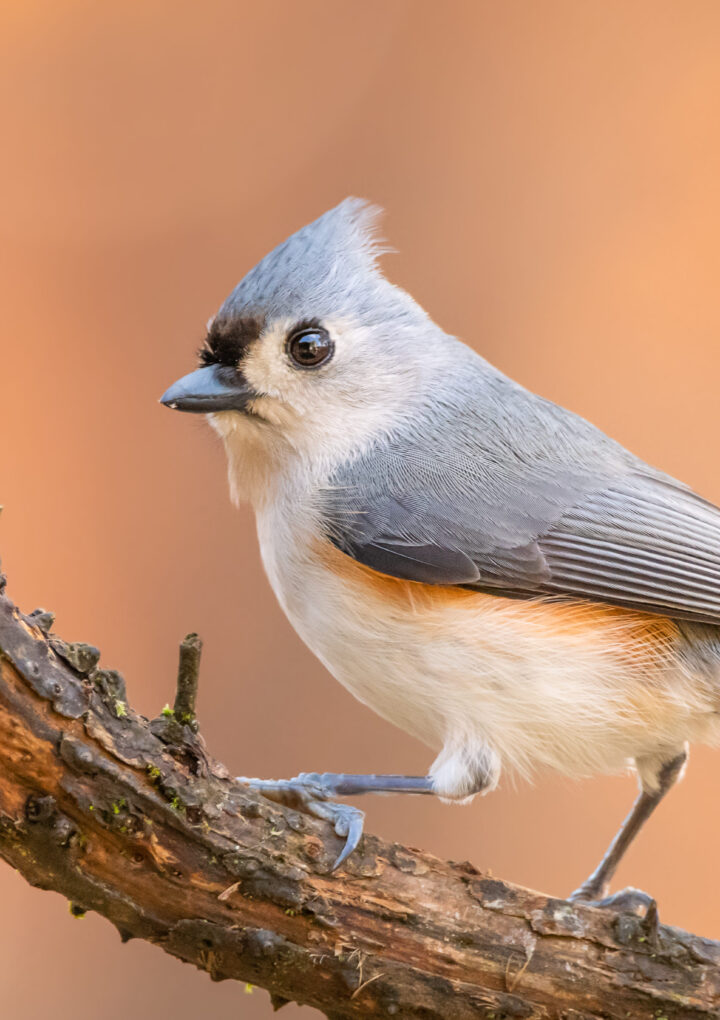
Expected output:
(481, 567)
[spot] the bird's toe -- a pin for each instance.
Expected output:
(307, 793)
(626, 901)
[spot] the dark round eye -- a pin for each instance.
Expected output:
(308, 348)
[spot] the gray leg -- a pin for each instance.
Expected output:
(595, 888)
(342, 784)
(310, 792)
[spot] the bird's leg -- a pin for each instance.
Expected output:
(595, 888)
(311, 792)
(342, 784)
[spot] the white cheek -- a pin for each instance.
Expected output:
(268, 370)
(329, 413)
(275, 412)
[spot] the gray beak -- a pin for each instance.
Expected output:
(213, 388)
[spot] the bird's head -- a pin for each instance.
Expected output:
(312, 357)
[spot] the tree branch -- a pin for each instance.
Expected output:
(135, 820)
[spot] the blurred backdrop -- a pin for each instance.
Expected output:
(551, 174)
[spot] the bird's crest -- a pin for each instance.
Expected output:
(322, 269)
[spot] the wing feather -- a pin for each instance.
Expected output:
(648, 541)
(513, 495)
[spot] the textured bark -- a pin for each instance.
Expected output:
(133, 819)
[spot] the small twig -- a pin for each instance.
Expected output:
(365, 984)
(187, 681)
(227, 893)
(512, 982)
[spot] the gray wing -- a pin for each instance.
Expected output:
(647, 543)
(542, 505)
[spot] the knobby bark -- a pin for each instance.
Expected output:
(135, 820)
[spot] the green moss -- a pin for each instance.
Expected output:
(120, 709)
(168, 712)
(153, 771)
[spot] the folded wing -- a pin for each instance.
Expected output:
(615, 532)
(647, 543)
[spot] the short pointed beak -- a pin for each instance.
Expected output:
(213, 388)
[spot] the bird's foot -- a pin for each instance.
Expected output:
(310, 792)
(627, 901)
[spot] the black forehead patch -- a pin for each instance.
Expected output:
(228, 340)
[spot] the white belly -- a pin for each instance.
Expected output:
(580, 689)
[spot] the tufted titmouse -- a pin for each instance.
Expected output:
(481, 567)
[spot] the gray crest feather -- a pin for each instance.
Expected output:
(328, 268)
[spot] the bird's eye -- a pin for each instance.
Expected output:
(309, 348)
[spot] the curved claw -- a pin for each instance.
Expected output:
(351, 826)
(307, 793)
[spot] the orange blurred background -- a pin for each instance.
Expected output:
(551, 173)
